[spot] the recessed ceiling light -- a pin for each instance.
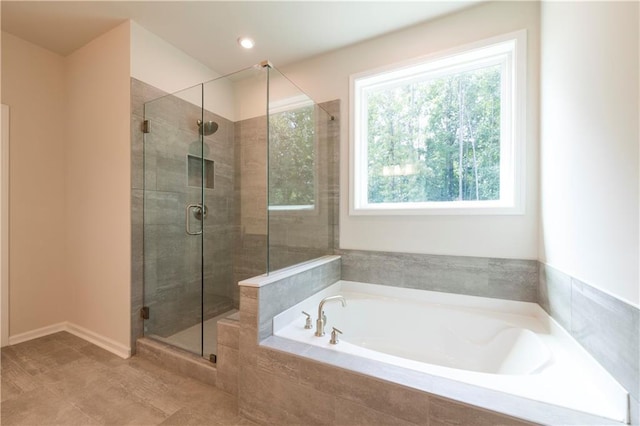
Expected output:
(246, 42)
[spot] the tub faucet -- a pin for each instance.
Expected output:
(322, 319)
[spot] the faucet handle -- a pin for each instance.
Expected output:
(307, 324)
(334, 337)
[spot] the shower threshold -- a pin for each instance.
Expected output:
(189, 338)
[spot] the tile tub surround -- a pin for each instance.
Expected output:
(228, 355)
(585, 312)
(512, 279)
(285, 382)
(608, 328)
(282, 289)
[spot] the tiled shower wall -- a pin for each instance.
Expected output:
(173, 258)
(236, 226)
(298, 236)
(172, 270)
(250, 255)
(294, 236)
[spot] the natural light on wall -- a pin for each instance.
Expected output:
(442, 134)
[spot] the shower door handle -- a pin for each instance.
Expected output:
(187, 216)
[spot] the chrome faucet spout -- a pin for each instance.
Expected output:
(322, 319)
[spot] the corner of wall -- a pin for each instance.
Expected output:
(33, 88)
(98, 177)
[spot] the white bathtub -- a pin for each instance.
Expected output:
(508, 346)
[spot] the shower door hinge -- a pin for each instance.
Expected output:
(145, 126)
(213, 358)
(144, 312)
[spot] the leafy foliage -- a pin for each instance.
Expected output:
(292, 157)
(436, 139)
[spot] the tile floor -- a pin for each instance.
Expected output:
(63, 380)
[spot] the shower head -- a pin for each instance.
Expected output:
(207, 128)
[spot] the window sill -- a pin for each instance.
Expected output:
(438, 209)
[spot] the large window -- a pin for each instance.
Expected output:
(441, 135)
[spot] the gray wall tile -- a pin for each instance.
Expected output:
(229, 333)
(350, 413)
(177, 360)
(398, 401)
(554, 294)
(227, 367)
(453, 274)
(271, 399)
(173, 280)
(511, 279)
(610, 330)
(281, 295)
(445, 412)
(279, 363)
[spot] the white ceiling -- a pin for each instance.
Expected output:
(284, 31)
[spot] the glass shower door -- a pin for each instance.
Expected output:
(175, 174)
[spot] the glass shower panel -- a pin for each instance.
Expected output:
(234, 242)
(239, 181)
(301, 160)
(176, 172)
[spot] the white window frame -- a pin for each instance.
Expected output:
(510, 50)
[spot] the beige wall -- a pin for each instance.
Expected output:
(98, 174)
(33, 88)
(326, 77)
(164, 66)
(589, 144)
(70, 182)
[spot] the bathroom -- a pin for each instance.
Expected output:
(575, 250)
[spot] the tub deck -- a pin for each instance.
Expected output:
(512, 348)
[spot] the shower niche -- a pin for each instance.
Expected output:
(200, 172)
(221, 223)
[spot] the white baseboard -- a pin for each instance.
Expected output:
(99, 340)
(104, 342)
(39, 332)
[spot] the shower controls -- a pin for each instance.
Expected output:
(334, 337)
(201, 212)
(197, 210)
(307, 323)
